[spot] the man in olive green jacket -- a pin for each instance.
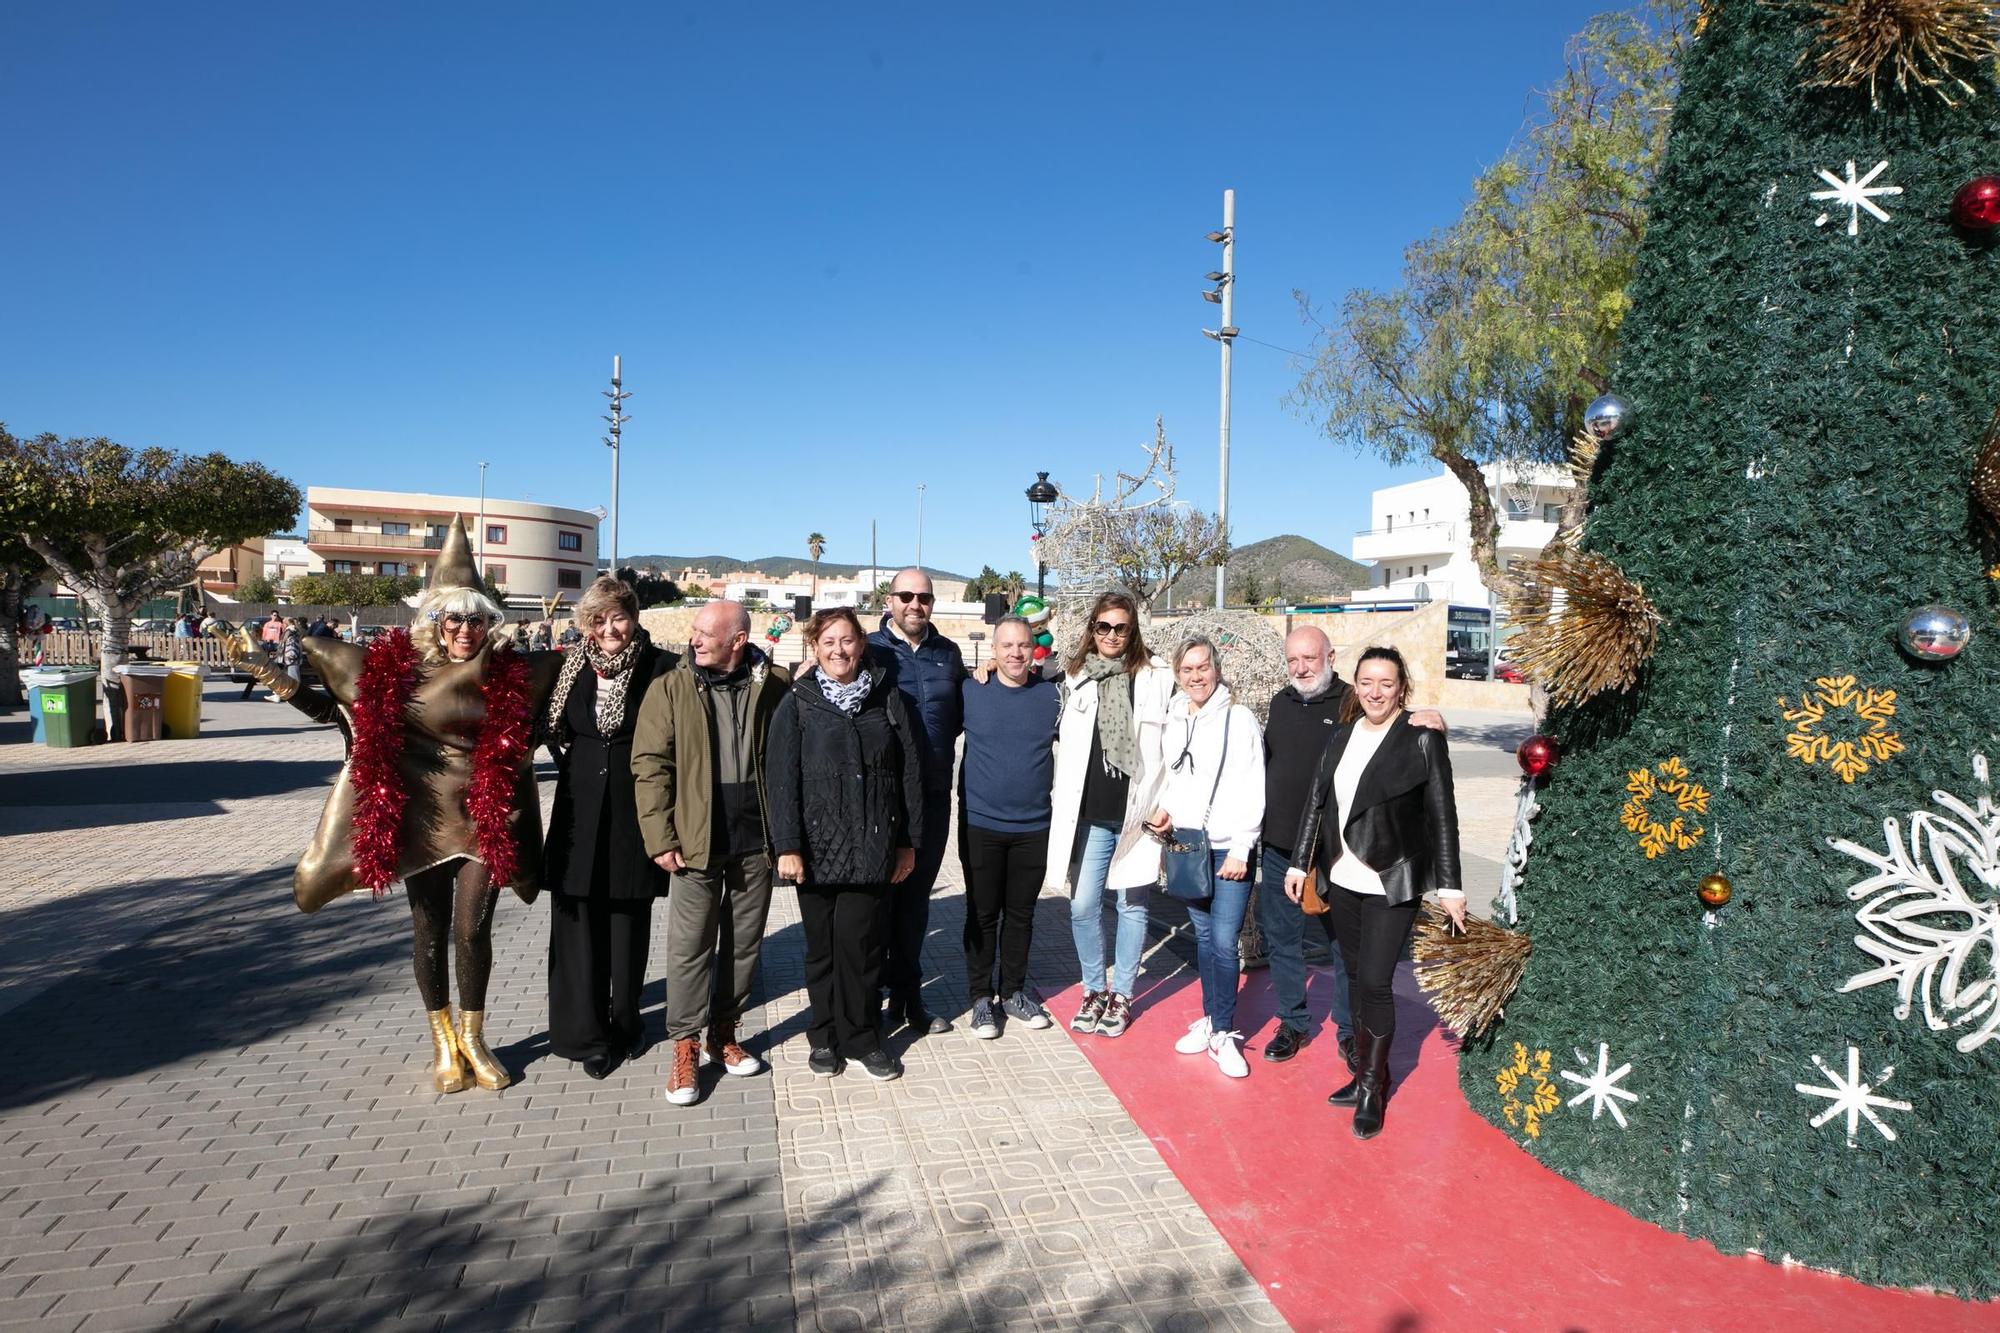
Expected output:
(698, 777)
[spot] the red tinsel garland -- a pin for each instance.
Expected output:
(388, 674)
(496, 762)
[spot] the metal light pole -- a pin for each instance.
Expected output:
(1224, 295)
(617, 395)
(920, 525)
(482, 521)
(1039, 494)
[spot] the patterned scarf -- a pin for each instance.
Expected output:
(1116, 735)
(614, 676)
(847, 698)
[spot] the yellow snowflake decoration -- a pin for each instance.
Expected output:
(1667, 779)
(1525, 1091)
(1848, 757)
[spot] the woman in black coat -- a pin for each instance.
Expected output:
(601, 882)
(1381, 823)
(846, 792)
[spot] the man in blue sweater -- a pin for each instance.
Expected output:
(1010, 732)
(928, 668)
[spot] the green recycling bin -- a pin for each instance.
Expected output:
(64, 703)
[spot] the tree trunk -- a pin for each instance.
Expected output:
(113, 648)
(11, 589)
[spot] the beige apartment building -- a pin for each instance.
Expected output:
(533, 551)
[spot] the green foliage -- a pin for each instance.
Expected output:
(354, 590)
(1806, 406)
(650, 588)
(257, 589)
(1153, 546)
(987, 580)
(1250, 589)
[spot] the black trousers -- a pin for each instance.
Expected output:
(1371, 935)
(910, 904)
(845, 926)
(597, 967)
(1003, 878)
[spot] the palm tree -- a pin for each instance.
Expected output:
(815, 543)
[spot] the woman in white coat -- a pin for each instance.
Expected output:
(1214, 782)
(1107, 776)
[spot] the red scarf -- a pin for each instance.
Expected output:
(388, 675)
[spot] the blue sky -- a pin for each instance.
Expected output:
(843, 249)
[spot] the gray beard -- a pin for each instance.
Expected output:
(1320, 684)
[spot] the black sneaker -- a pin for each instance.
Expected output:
(1091, 1010)
(878, 1064)
(1116, 1018)
(825, 1061)
(1288, 1043)
(985, 1023)
(922, 1021)
(1025, 1007)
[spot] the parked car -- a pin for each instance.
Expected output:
(1510, 673)
(1464, 666)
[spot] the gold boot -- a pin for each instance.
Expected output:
(449, 1071)
(486, 1071)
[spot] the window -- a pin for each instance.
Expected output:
(496, 534)
(1552, 513)
(340, 566)
(394, 568)
(395, 529)
(496, 573)
(569, 541)
(343, 525)
(569, 578)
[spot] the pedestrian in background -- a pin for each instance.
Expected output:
(846, 788)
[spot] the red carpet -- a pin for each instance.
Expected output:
(1462, 1230)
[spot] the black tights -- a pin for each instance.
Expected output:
(452, 904)
(1371, 935)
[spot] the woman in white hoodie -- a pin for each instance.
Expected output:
(1107, 774)
(1214, 782)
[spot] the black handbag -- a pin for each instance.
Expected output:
(1189, 861)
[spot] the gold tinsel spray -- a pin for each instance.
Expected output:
(1468, 976)
(1856, 43)
(1581, 626)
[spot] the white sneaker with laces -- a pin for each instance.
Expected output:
(1196, 1040)
(1226, 1049)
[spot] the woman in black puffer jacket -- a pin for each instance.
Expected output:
(846, 789)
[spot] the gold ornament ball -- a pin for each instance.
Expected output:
(1714, 890)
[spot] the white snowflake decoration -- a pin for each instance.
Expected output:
(1929, 928)
(1853, 1098)
(1601, 1088)
(1855, 196)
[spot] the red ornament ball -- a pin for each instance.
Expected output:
(1976, 207)
(1041, 651)
(1714, 890)
(1538, 754)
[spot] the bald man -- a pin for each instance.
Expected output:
(928, 668)
(698, 780)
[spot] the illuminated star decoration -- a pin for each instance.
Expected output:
(1600, 1089)
(1853, 1098)
(1854, 195)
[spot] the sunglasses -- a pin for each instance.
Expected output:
(454, 621)
(920, 598)
(1110, 629)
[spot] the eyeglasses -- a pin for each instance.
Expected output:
(1111, 629)
(454, 621)
(920, 598)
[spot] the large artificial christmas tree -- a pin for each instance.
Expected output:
(1811, 1068)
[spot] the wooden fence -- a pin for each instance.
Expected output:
(80, 649)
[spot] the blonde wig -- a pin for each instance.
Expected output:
(436, 604)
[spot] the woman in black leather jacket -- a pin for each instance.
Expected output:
(846, 788)
(1381, 824)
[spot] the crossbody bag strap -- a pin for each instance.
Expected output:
(1219, 764)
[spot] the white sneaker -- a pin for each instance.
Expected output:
(1226, 1049)
(1196, 1040)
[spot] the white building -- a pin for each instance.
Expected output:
(533, 551)
(286, 556)
(1419, 544)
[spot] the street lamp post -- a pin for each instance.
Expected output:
(920, 525)
(616, 393)
(1224, 295)
(1039, 495)
(482, 521)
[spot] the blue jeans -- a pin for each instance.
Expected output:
(1284, 927)
(1086, 915)
(1217, 924)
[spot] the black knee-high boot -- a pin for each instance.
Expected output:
(1349, 1092)
(1371, 1049)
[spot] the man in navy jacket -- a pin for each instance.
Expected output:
(928, 668)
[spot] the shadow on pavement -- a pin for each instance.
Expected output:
(175, 782)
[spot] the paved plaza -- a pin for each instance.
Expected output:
(215, 1111)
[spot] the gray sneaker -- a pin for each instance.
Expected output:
(985, 1023)
(1024, 1006)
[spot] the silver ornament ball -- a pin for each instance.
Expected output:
(1935, 633)
(1607, 416)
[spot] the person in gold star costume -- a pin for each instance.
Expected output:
(438, 790)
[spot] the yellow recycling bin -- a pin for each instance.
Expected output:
(180, 714)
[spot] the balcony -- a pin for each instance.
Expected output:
(1409, 541)
(330, 539)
